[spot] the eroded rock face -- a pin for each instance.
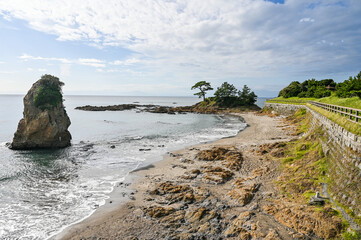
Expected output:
(232, 158)
(45, 122)
(305, 220)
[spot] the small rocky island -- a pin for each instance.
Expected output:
(227, 99)
(45, 122)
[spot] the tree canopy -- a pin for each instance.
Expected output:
(350, 87)
(313, 88)
(227, 95)
(49, 93)
(247, 97)
(203, 87)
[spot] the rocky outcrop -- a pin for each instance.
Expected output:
(241, 192)
(230, 158)
(120, 107)
(306, 220)
(45, 122)
(197, 108)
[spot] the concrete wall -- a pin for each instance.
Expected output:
(343, 150)
(336, 132)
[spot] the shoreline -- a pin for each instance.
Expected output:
(141, 182)
(120, 195)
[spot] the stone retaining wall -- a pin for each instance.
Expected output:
(338, 134)
(343, 149)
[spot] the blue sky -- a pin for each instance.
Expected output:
(162, 47)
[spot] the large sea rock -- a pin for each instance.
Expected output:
(45, 122)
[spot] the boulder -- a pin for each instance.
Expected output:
(45, 122)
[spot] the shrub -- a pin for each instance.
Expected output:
(49, 93)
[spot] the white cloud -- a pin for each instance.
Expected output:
(210, 39)
(97, 63)
(127, 62)
(27, 57)
(92, 62)
(42, 69)
(6, 17)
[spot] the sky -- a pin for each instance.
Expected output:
(163, 47)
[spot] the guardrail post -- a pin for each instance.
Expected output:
(357, 118)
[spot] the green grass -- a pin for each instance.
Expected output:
(305, 166)
(292, 100)
(354, 102)
(351, 236)
(350, 126)
(344, 122)
(308, 194)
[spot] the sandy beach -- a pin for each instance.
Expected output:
(188, 196)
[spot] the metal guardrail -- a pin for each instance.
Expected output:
(353, 114)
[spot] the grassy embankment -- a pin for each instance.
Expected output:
(305, 167)
(292, 100)
(344, 122)
(354, 102)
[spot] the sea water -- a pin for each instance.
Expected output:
(43, 191)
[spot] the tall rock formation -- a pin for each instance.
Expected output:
(45, 122)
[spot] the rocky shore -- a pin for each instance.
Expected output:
(224, 190)
(197, 108)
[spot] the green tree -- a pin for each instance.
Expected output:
(203, 87)
(291, 90)
(226, 90)
(310, 88)
(247, 97)
(227, 95)
(350, 87)
(49, 93)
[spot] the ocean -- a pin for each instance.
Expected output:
(43, 191)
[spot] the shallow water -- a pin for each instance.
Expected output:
(43, 191)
